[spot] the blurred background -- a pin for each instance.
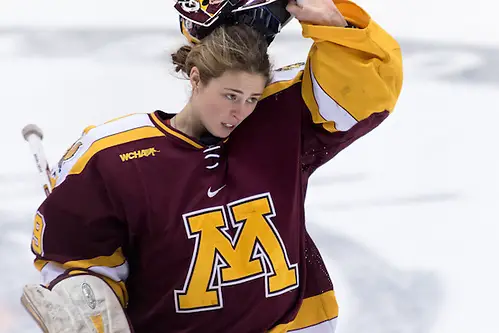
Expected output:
(405, 218)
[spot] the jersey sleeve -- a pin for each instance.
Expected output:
(79, 229)
(350, 83)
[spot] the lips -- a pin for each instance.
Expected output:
(227, 125)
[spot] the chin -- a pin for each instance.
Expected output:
(221, 132)
(221, 135)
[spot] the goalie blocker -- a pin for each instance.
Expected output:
(78, 304)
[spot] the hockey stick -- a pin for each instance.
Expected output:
(34, 136)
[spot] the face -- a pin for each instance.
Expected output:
(224, 102)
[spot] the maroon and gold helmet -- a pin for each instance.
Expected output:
(199, 17)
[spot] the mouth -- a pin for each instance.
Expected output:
(228, 126)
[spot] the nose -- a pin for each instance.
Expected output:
(237, 111)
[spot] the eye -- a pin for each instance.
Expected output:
(252, 100)
(231, 97)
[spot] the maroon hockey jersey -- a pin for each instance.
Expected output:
(197, 238)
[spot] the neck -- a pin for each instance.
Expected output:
(187, 122)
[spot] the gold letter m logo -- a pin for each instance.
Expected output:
(218, 260)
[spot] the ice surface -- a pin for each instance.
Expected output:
(405, 218)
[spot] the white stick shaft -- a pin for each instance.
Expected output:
(36, 147)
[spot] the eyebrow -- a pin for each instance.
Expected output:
(240, 92)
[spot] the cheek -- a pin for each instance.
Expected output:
(218, 105)
(212, 108)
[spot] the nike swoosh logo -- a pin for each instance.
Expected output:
(211, 193)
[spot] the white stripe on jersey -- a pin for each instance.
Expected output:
(120, 125)
(52, 271)
(118, 273)
(329, 109)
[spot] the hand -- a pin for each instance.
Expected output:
(319, 12)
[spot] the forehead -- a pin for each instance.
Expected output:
(240, 80)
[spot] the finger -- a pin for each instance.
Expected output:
(293, 8)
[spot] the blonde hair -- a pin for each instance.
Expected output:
(227, 48)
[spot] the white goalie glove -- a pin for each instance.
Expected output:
(78, 304)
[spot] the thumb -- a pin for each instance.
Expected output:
(293, 8)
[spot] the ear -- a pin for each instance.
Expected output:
(195, 78)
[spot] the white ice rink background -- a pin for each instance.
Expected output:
(406, 218)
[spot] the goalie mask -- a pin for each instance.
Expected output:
(199, 17)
